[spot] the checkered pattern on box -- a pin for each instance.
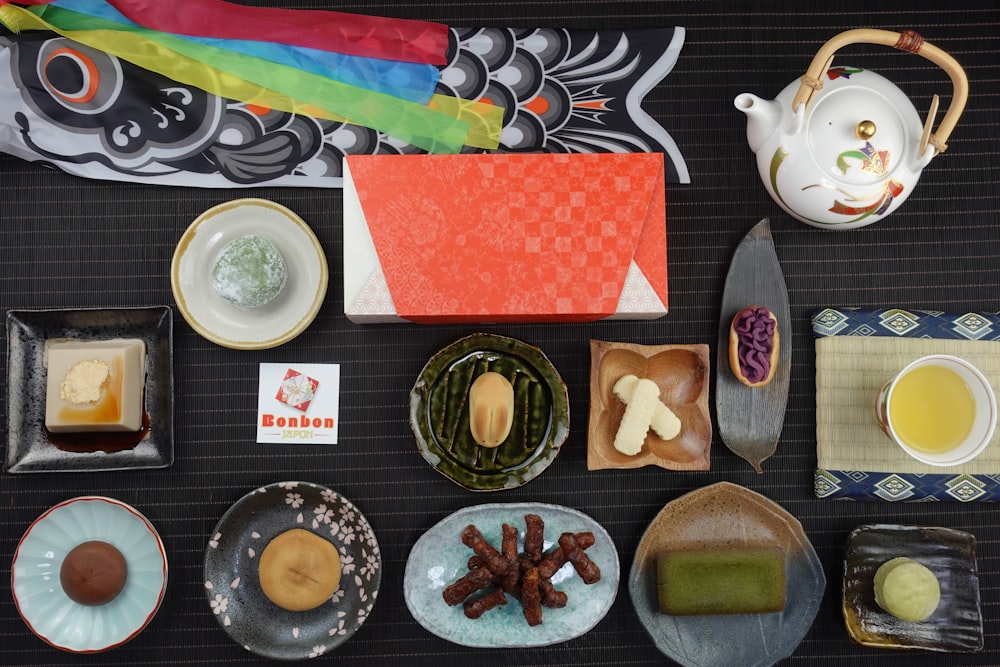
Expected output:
(592, 246)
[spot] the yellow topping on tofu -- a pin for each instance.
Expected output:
(85, 381)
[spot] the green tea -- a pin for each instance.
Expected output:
(932, 409)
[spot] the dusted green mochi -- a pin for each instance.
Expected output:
(250, 272)
(721, 581)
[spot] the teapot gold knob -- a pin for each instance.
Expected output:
(865, 130)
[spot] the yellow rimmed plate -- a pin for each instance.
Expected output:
(273, 324)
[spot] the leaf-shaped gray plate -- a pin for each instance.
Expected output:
(725, 514)
(439, 558)
(956, 625)
(29, 448)
(233, 587)
(750, 418)
(439, 413)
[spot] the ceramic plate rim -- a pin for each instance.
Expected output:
(186, 248)
(273, 497)
(117, 505)
(610, 571)
(156, 450)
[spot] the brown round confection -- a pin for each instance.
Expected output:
(299, 570)
(93, 573)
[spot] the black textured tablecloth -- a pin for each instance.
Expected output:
(69, 242)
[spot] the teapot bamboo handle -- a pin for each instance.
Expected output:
(908, 40)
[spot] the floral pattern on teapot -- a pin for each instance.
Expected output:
(873, 162)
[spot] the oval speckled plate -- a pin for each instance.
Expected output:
(439, 558)
(731, 515)
(439, 413)
(232, 584)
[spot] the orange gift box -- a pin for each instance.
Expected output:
(504, 237)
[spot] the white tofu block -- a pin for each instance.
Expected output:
(85, 404)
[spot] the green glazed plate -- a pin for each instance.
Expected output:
(439, 413)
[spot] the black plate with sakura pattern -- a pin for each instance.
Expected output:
(233, 587)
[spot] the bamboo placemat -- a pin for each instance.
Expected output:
(850, 371)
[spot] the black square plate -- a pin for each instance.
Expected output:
(957, 623)
(28, 446)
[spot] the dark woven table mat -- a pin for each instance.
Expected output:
(69, 242)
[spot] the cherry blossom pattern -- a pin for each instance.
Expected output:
(267, 512)
(219, 605)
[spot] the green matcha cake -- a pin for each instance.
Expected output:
(250, 272)
(721, 581)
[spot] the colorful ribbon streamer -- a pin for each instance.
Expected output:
(353, 34)
(411, 81)
(241, 77)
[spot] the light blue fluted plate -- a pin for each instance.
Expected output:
(46, 608)
(439, 558)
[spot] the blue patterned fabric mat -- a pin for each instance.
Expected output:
(905, 323)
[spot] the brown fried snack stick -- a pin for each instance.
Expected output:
(472, 581)
(586, 568)
(477, 563)
(531, 597)
(552, 598)
(476, 607)
(472, 538)
(534, 537)
(556, 558)
(508, 549)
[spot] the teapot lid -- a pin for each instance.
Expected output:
(860, 127)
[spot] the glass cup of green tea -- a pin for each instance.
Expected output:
(939, 409)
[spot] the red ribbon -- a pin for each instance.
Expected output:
(354, 34)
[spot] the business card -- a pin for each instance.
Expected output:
(298, 404)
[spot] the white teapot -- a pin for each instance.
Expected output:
(843, 147)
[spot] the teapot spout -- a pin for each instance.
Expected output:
(763, 117)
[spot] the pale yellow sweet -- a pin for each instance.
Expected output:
(907, 589)
(664, 423)
(491, 409)
(643, 410)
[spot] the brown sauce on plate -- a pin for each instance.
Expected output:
(108, 442)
